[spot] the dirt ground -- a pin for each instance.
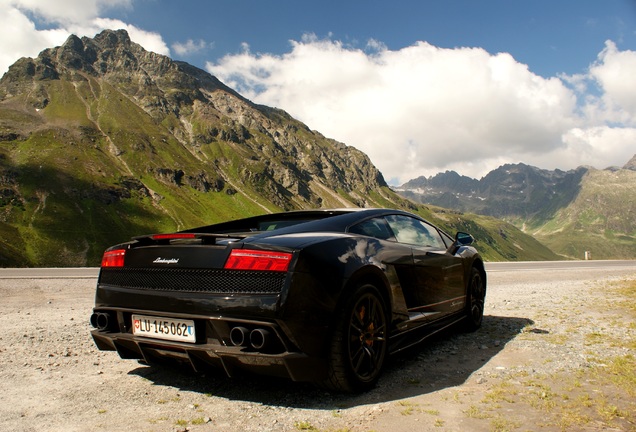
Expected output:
(548, 357)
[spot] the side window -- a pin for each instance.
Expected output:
(415, 232)
(376, 227)
(448, 240)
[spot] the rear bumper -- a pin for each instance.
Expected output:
(213, 348)
(295, 366)
(297, 321)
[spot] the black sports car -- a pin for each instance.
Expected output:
(320, 295)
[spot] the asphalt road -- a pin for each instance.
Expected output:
(491, 267)
(557, 265)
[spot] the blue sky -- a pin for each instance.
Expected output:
(420, 86)
(550, 36)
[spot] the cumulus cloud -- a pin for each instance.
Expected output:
(424, 109)
(190, 47)
(30, 26)
(67, 11)
(614, 72)
(19, 37)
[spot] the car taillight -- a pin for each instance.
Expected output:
(114, 258)
(247, 259)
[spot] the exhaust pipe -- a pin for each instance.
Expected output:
(100, 320)
(239, 336)
(259, 338)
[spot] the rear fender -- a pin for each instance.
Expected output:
(386, 281)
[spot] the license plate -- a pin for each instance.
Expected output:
(164, 328)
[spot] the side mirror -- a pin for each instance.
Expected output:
(463, 239)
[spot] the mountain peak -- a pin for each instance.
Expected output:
(112, 38)
(100, 126)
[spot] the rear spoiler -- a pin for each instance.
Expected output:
(205, 238)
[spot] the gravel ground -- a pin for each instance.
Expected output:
(531, 366)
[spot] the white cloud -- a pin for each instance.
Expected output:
(68, 11)
(599, 146)
(190, 47)
(21, 37)
(614, 72)
(423, 109)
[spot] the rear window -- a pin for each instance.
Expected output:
(276, 224)
(376, 227)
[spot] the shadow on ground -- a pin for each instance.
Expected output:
(445, 361)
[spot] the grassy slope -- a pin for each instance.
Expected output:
(602, 220)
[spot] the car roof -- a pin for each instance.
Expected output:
(335, 220)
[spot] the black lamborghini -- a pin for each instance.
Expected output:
(320, 295)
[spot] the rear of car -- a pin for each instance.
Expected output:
(204, 299)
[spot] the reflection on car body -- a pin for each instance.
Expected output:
(317, 295)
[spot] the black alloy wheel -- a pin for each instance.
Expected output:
(476, 300)
(359, 345)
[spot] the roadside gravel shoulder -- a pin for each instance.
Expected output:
(543, 360)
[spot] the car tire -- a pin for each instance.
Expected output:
(475, 300)
(359, 344)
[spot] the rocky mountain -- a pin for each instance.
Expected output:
(570, 211)
(101, 140)
(511, 191)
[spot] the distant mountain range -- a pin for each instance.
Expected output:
(101, 140)
(572, 212)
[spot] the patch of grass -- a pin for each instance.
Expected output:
(165, 401)
(477, 413)
(594, 338)
(609, 412)
(502, 392)
(198, 421)
(570, 419)
(408, 407)
(620, 372)
(157, 420)
(556, 339)
(501, 424)
(304, 426)
(584, 400)
(542, 397)
(454, 398)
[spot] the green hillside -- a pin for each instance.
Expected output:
(601, 220)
